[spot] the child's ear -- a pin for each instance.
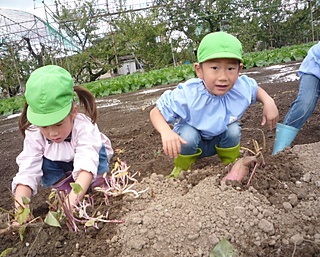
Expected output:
(240, 66)
(74, 111)
(198, 70)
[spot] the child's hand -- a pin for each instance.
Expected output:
(270, 115)
(171, 142)
(15, 223)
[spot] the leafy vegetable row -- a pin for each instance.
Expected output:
(165, 76)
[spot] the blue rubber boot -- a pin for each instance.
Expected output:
(284, 136)
(183, 162)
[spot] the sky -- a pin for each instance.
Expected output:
(32, 6)
(36, 6)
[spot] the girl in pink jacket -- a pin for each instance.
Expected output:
(60, 144)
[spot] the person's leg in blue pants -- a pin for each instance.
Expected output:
(305, 103)
(299, 112)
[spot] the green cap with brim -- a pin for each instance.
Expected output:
(219, 45)
(49, 94)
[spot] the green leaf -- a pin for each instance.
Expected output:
(25, 200)
(22, 229)
(52, 195)
(89, 223)
(22, 214)
(5, 252)
(76, 188)
(224, 249)
(51, 219)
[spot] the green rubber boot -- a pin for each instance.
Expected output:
(183, 162)
(228, 155)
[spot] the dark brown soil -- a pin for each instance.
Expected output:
(128, 126)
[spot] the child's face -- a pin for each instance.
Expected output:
(60, 131)
(219, 75)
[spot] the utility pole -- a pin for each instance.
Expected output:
(311, 17)
(173, 57)
(112, 37)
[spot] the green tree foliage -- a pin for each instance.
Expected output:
(165, 34)
(81, 23)
(258, 23)
(14, 68)
(144, 37)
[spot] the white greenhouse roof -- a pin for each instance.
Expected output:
(16, 26)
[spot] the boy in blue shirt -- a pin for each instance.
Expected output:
(205, 111)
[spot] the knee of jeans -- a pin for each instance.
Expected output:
(103, 161)
(190, 135)
(233, 134)
(103, 168)
(234, 130)
(305, 103)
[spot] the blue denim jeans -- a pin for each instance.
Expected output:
(229, 138)
(305, 102)
(53, 171)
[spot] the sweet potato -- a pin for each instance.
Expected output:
(241, 167)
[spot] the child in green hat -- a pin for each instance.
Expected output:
(60, 144)
(205, 111)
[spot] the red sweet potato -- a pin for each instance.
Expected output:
(240, 168)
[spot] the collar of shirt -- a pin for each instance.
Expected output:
(68, 139)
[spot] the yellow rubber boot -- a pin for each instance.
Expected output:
(184, 162)
(228, 155)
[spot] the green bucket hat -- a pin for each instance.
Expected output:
(49, 94)
(219, 45)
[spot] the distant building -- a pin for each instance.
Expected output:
(128, 64)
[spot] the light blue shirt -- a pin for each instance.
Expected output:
(190, 103)
(311, 63)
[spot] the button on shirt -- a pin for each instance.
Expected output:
(83, 150)
(311, 63)
(190, 103)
